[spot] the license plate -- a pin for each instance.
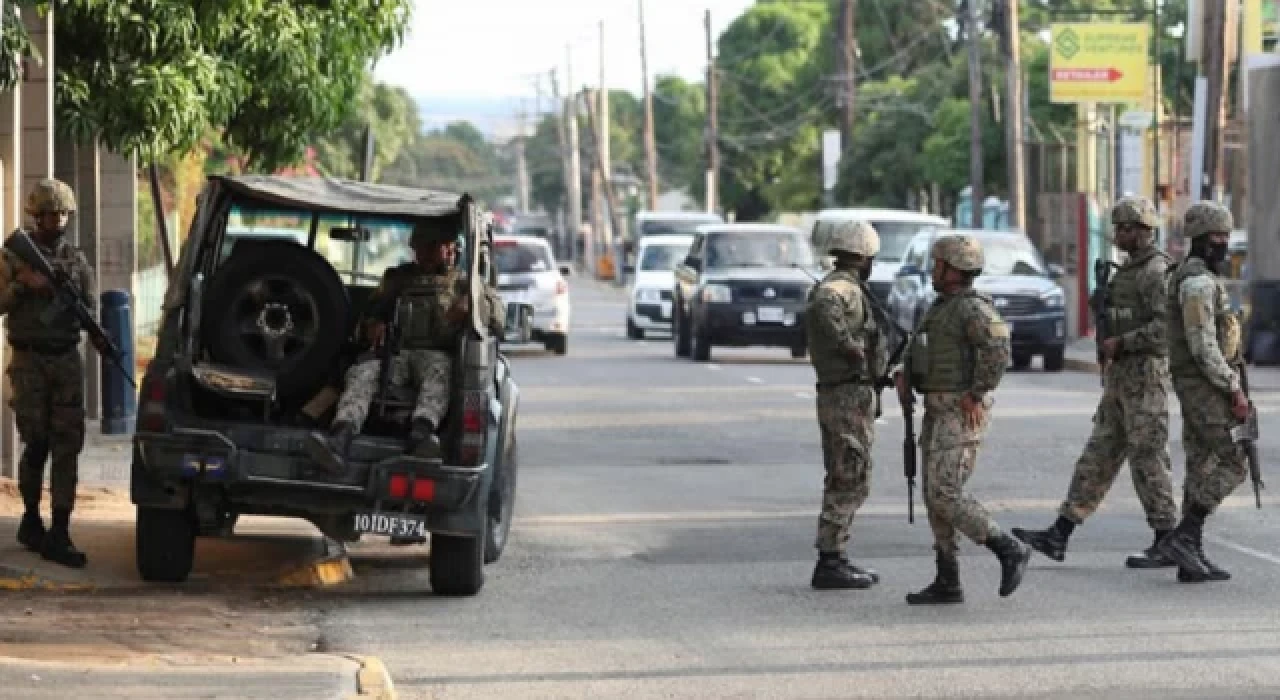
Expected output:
(666, 309)
(769, 314)
(397, 525)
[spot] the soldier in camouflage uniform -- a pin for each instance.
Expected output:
(46, 371)
(430, 302)
(1204, 350)
(956, 359)
(848, 350)
(1133, 416)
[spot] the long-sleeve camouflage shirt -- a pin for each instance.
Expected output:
(1200, 298)
(1151, 269)
(838, 325)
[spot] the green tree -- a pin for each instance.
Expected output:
(393, 116)
(679, 127)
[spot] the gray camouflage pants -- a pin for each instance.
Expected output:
(429, 370)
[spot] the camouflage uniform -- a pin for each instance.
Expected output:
(961, 348)
(1204, 347)
(1132, 419)
(46, 375)
(848, 351)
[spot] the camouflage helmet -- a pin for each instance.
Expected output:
(856, 238)
(50, 196)
(963, 252)
(1203, 218)
(1135, 210)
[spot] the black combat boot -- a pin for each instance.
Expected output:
(57, 543)
(31, 532)
(945, 588)
(1181, 544)
(1216, 573)
(1052, 542)
(1013, 556)
(834, 572)
(422, 439)
(330, 451)
(1151, 558)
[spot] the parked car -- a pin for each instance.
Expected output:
(896, 228)
(253, 349)
(649, 300)
(528, 274)
(672, 223)
(1024, 289)
(743, 285)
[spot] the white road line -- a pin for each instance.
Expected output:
(1256, 553)
(755, 380)
(803, 395)
(714, 368)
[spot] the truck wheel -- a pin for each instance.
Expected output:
(502, 504)
(557, 343)
(457, 564)
(1055, 359)
(634, 332)
(165, 542)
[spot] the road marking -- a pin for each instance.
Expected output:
(713, 367)
(803, 395)
(755, 380)
(1256, 553)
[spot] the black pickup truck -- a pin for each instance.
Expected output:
(258, 329)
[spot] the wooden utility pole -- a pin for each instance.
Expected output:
(650, 141)
(522, 170)
(1215, 70)
(610, 197)
(975, 111)
(1014, 118)
(562, 138)
(574, 226)
(849, 64)
(713, 128)
(602, 141)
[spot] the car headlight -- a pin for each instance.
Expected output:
(648, 295)
(716, 293)
(1053, 300)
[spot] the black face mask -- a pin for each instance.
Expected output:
(1214, 255)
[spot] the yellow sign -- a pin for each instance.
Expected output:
(1260, 25)
(1103, 62)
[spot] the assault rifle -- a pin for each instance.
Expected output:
(1098, 303)
(67, 297)
(387, 353)
(1246, 434)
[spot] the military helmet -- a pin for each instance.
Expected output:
(1203, 218)
(50, 196)
(963, 252)
(1135, 210)
(430, 232)
(856, 238)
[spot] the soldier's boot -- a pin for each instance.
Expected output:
(1013, 556)
(1151, 558)
(57, 543)
(1216, 573)
(330, 450)
(1180, 545)
(31, 532)
(1051, 542)
(945, 589)
(423, 441)
(834, 572)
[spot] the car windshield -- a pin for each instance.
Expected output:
(1011, 256)
(663, 257)
(532, 231)
(675, 227)
(895, 236)
(515, 258)
(757, 250)
(357, 262)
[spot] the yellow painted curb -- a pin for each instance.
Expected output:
(32, 582)
(373, 680)
(325, 572)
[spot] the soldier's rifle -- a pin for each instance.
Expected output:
(1099, 300)
(67, 297)
(386, 354)
(1246, 434)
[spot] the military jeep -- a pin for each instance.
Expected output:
(260, 323)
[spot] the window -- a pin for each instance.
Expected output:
(1011, 256)
(668, 227)
(662, 257)
(895, 236)
(762, 249)
(512, 258)
(916, 254)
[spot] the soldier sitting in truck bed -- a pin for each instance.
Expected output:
(429, 301)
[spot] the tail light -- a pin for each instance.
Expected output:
(152, 413)
(475, 423)
(561, 287)
(422, 490)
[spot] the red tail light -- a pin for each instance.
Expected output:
(152, 416)
(561, 287)
(472, 422)
(423, 489)
(475, 424)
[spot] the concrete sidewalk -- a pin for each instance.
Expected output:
(1082, 357)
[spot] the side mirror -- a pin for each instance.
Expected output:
(1056, 271)
(566, 270)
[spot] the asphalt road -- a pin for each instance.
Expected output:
(664, 542)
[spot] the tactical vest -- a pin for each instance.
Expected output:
(421, 309)
(830, 364)
(1127, 310)
(941, 358)
(41, 322)
(1181, 361)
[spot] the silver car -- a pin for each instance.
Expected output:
(528, 276)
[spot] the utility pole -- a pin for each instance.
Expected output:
(849, 80)
(713, 129)
(597, 183)
(975, 111)
(522, 169)
(1014, 119)
(563, 140)
(650, 145)
(574, 176)
(1215, 69)
(602, 140)
(610, 197)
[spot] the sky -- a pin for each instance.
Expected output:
(474, 55)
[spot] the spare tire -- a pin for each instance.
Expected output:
(279, 308)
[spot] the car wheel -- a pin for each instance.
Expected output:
(557, 343)
(634, 332)
(502, 503)
(165, 544)
(701, 346)
(457, 563)
(680, 335)
(1021, 360)
(278, 308)
(1055, 359)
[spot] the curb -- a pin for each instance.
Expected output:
(1077, 365)
(373, 680)
(12, 579)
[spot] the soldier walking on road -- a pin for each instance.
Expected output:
(1132, 419)
(1204, 348)
(956, 359)
(847, 347)
(46, 371)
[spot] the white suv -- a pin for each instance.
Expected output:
(527, 274)
(649, 300)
